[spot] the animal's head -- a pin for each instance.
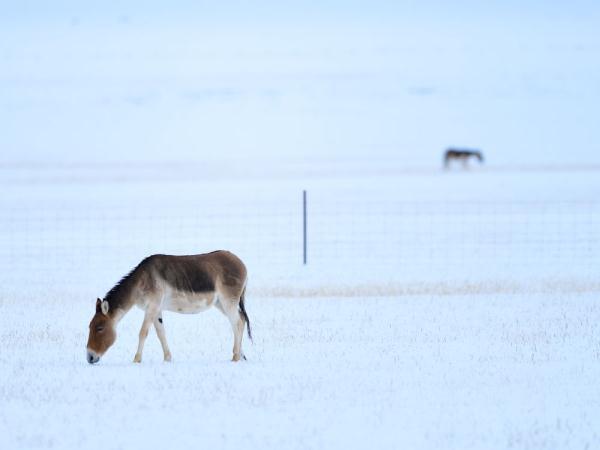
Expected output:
(102, 332)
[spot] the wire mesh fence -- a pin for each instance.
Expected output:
(348, 242)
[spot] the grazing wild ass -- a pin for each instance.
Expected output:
(184, 284)
(453, 154)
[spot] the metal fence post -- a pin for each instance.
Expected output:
(304, 224)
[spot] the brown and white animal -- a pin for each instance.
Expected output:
(184, 284)
(453, 154)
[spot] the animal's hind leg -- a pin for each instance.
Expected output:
(230, 309)
(160, 331)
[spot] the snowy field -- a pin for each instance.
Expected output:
(376, 235)
(460, 372)
(438, 309)
(470, 325)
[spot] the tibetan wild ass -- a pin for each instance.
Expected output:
(184, 284)
(453, 154)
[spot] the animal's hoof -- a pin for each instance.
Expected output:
(168, 358)
(235, 358)
(137, 359)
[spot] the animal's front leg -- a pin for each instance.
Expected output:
(148, 319)
(160, 331)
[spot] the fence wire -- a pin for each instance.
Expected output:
(348, 241)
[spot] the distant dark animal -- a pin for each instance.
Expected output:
(464, 155)
(184, 284)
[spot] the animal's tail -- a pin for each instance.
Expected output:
(244, 313)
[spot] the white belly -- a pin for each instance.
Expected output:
(188, 303)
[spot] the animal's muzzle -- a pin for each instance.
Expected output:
(92, 358)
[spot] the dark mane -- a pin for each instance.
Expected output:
(120, 292)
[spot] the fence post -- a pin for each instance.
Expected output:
(304, 224)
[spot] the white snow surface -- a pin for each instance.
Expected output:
(436, 311)
(459, 372)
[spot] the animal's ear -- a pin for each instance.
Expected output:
(104, 306)
(98, 303)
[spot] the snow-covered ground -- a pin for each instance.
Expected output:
(460, 372)
(438, 309)
(388, 233)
